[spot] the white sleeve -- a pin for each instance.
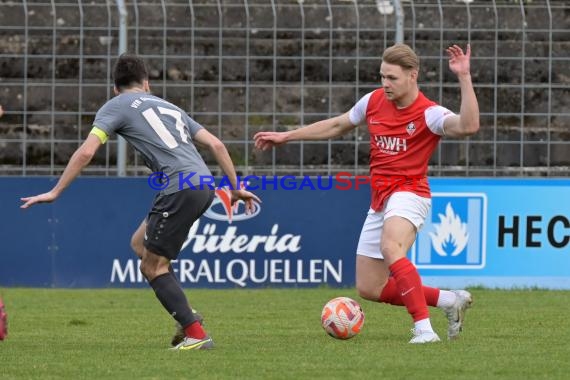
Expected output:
(435, 116)
(357, 114)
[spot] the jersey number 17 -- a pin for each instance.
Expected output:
(161, 130)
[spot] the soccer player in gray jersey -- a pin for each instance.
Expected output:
(165, 136)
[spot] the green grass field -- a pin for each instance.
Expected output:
(276, 334)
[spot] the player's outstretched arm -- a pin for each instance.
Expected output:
(321, 130)
(77, 162)
(467, 122)
(218, 149)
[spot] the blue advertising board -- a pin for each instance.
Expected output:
(480, 232)
(501, 233)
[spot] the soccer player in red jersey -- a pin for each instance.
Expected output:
(405, 128)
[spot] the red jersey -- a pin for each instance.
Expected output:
(401, 144)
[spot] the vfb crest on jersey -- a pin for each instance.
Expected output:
(453, 236)
(411, 128)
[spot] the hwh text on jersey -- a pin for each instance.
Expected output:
(391, 145)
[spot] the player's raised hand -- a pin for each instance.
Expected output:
(459, 62)
(266, 140)
(246, 196)
(41, 198)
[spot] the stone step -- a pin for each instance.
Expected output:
(505, 153)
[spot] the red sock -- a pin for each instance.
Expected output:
(195, 330)
(391, 295)
(410, 287)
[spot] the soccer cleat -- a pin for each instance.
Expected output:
(194, 344)
(421, 336)
(179, 335)
(456, 313)
(3, 321)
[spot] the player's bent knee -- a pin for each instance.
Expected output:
(392, 254)
(137, 247)
(153, 265)
(149, 268)
(367, 292)
(146, 270)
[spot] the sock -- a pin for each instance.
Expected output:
(171, 296)
(410, 287)
(171, 270)
(391, 295)
(195, 330)
(446, 298)
(423, 325)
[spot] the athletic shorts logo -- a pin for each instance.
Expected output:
(453, 236)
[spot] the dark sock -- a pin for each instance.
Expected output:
(171, 296)
(171, 270)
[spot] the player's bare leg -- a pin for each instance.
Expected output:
(137, 239)
(371, 276)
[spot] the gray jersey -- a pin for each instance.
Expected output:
(160, 131)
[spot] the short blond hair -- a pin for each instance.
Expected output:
(403, 56)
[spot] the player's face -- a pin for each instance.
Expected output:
(397, 82)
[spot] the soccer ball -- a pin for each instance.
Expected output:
(342, 318)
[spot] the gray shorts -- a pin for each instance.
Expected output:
(171, 217)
